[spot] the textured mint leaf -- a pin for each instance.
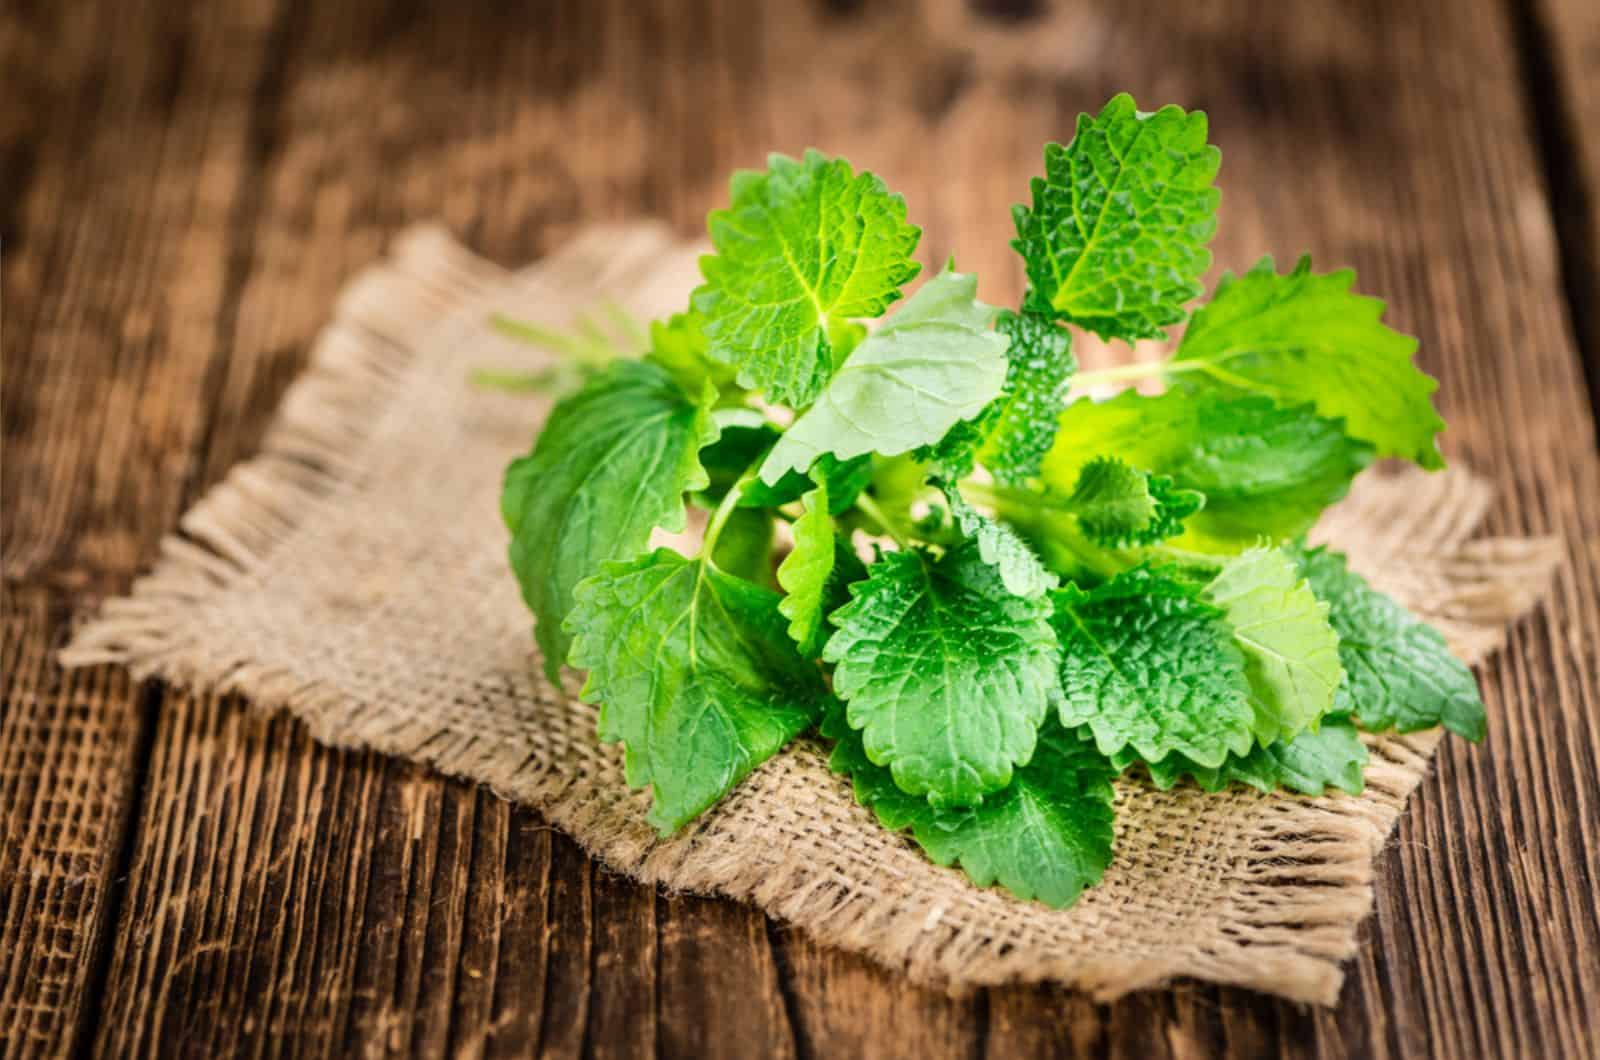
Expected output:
(1291, 651)
(1115, 240)
(1046, 836)
(1120, 507)
(1266, 471)
(1147, 664)
(932, 364)
(801, 250)
(947, 674)
(1112, 500)
(693, 671)
(1302, 337)
(1332, 756)
(846, 479)
(956, 454)
(805, 572)
(611, 464)
(1399, 672)
(1174, 506)
(1023, 421)
(1012, 435)
(1000, 547)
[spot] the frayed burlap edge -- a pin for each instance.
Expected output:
(790, 839)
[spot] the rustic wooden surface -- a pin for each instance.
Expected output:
(185, 186)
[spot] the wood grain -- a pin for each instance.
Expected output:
(186, 187)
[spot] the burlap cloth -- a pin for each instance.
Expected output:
(355, 575)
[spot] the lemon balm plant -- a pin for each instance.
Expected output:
(997, 597)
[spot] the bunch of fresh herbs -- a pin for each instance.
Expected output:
(997, 594)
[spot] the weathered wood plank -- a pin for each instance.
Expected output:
(1561, 52)
(123, 148)
(69, 756)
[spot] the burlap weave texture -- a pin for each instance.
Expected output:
(355, 575)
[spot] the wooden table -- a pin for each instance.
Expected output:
(185, 187)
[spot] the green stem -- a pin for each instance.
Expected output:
(877, 514)
(1149, 369)
(1124, 372)
(719, 518)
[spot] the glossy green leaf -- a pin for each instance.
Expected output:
(1115, 239)
(946, 672)
(1147, 664)
(611, 464)
(693, 672)
(1047, 836)
(933, 363)
(1303, 338)
(802, 249)
(1290, 649)
(1399, 672)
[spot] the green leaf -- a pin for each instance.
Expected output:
(1023, 420)
(1332, 756)
(1266, 471)
(805, 572)
(611, 464)
(1000, 547)
(1012, 435)
(945, 671)
(1046, 836)
(1148, 665)
(678, 344)
(744, 546)
(693, 672)
(1116, 238)
(801, 250)
(1399, 672)
(933, 363)
(1119, 506)
(1291, 651)
(736, 448)
(1301, 337)
(846, 479)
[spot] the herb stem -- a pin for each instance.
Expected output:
(877, 515)
(719, 518)
(1125, 372)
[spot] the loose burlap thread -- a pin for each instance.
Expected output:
(355, 575)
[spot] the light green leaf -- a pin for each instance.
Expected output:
(1302, 338)
(678, 344)
(1115, 241)
(1332, 756)
(1267, 472)
(806, 570)
(846, 479)
(611, 464)
(801, 250)
(693, 672)
(1399, 672)
(1147, 664)
(1000, 547)
(946, 672)
(1046, 836)
(934, 362)
(1291, 651)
